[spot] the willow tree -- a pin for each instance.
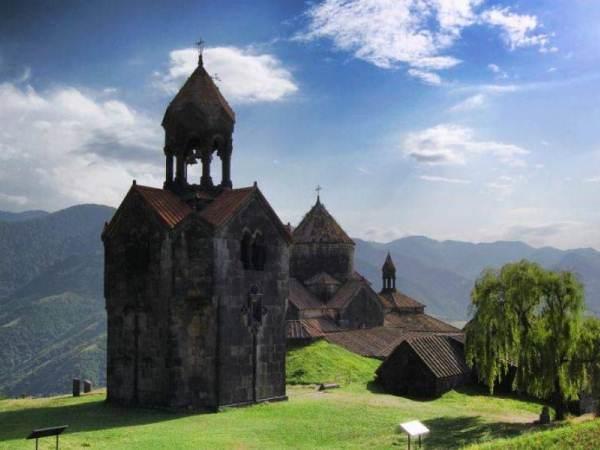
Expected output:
(528, 319)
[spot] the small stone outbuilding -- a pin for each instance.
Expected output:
(424, 366)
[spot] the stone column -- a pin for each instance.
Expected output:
(206, 180)
(226, 166)
(169, 169)
(180, 177)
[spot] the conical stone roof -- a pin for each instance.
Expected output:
(198, 110)
(388, 265)
(318, 226)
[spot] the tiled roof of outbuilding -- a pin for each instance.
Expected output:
(318, 226)
(439, 354)
(376, 342)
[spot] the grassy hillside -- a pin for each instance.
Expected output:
(350, 417)
(583, 436)
(52, 318)
(322, 362)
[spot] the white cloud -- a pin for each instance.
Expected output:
(455, 144)
(494, 68)
(499, 73)
(242, 75)
(592, 179)
(389, 33)
(473, 102)
(427, 77)
(518, 30)
(63, 146)
(18, 200)
(437, 179)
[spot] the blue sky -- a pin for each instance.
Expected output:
(456, 119)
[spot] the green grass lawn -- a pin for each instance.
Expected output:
(355, 416)
(580, 436)
(322, 362)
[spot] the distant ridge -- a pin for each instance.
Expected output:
(441, 273)
(6, 216)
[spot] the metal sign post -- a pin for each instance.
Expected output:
(45, 432)
(414, 429)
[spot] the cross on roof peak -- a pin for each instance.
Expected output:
(318, 189)
(200, 45)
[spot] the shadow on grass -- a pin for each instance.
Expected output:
(469, 390)
(80, 417)
(457, 432)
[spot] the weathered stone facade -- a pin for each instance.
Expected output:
(196, 275)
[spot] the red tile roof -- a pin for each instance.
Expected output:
(223, 207)
(170, 208)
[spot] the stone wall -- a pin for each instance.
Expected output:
(307, 260)
(363, 311)
(252, 365)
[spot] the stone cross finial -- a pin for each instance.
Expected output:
(200, 46)
(318, 189)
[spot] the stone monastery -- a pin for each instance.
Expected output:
(205, 287)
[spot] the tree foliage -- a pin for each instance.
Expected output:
(530, 319)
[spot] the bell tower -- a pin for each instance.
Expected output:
(388, 273)
(198, 124)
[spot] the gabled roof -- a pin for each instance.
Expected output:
(400, 301)
(322, 278)
(438, 353)
(225, 205)
(302, 298)
(418, 322)
(377, 342)
(348, 291)
(310, 328)
(170, 208)
(318, 226)
(345, 293)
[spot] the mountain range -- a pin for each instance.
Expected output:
(52, 318)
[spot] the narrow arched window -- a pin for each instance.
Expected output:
(246, 250)
(258, 252)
